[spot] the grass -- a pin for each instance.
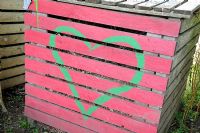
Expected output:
(190, 111)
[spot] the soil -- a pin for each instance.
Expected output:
(14, 121)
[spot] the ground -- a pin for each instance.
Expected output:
(15, 122)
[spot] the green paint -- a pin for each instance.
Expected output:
(118, 90)
(36, 8)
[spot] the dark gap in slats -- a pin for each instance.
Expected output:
(22, 22)
(103, 107)
(18, 33)
(11, 56)
(11, 10)
(95, 58)
(93, 89)
(75, 111)
(184, 58)
(12, 77)
(95, 41)
(97, 75)
(93, 74)
(11, 45)
(11, 67)
(99, 25)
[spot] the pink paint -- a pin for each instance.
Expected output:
(106, 69)
(152, 63)
(126, 20)
(102, 114)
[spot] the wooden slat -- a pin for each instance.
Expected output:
(126, 57)
(168, 6)
(11, 62)
(12, 51)
(130, 3)
(129, 10)
(12, 72)
(125, 20)
(11, 28)
(11, 82)
(155, 45)
(100, 113)
(11, 17)
(111, 2)
(185, 37)
(93, 1)
(11, 4)
(137, 94)
(55, 122)
(114, 103)
(179, 77)
(188, 7)
(74, 117)
(184, 51)
(11, 39)
(91, 65)
(149, 4)
(189, 23)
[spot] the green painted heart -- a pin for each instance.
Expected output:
(118, 90)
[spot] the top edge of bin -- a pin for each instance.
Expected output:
(163, 8)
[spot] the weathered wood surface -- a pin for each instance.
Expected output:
(11, 4)
(12, 51)
(131, 8)
(124, 20)
(13, 81)
(150, 4)
(12, 61)
(150, 44)
(121, 56)
(66, 115)
(11, 39)
(53, 121)
(98, 83)
(11, 28)
(94, 66)
(12, 72)
(11, 17)
(102, 114)
(188, 8)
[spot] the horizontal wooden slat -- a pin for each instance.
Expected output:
(11, 39)
(186, 37)
(11, 62)
(148, 5)
(11, 17)
(114, 103)
(11, 82)
(130, 3)
(101, 84)
(98, 67)
(12, 72)
(150, 44)
(126, 57)
(125, 20)
(55, 122)
(68, 115)
(184, 51)
(12, 51)
(11, 28)
(168, 6)
(100, 113)
(11, 4)
(111, 2)
(188, 7)
(189, 23)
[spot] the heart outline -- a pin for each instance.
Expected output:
(118, 90)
